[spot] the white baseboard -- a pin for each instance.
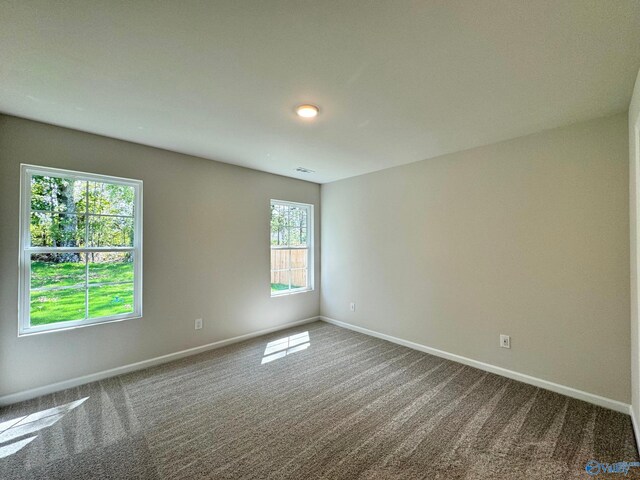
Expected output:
(74, 382)
(634, 422)
(521, 377)
(538, 382)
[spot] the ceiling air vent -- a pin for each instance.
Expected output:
(304, 170)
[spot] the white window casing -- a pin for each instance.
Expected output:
(305, 211)
(26, 249)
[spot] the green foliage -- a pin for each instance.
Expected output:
(119, 272)
(67, 212)
(66, 304)
(54, 306)
(110, 199)
(110, 300)
(65, 274)
(54, 274)
(288, 225)
(62, 207)
(276, 287)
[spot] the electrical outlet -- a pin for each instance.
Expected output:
(352, 307)
(505, 341)
(198, 323)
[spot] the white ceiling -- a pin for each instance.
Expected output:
(397, 81)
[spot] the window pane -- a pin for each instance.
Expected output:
(279, 259)
(279, 281)
(297, 217)
(292, 215)
(110, 300)
(57, 194)
(280, 236)
(299, 278)
(111, 199)
(112, 267)
(57, 230)
(52, 270)
(278, 225)
(54, 306)
(297, 236)
(110, 231)
(299, 257)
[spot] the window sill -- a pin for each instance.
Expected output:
(287, 293)
(66, 326)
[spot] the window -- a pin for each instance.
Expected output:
(291, 247)
(80, 249)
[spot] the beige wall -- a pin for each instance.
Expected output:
(527, 237)
(634, 182)
(206, 254)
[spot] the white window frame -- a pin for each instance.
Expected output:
(309, 247)
(24, 288)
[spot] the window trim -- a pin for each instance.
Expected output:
(24, 257)
(310, 248)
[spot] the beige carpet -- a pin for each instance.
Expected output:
(327, 404)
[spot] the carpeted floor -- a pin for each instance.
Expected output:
(327, 404)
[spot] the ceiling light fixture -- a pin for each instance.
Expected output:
(307, 111)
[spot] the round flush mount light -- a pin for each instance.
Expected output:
(307, 111)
